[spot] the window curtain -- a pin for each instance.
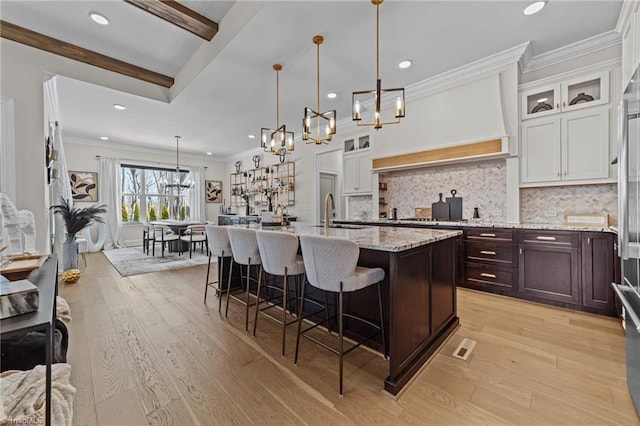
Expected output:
(60, 187)
(109, 189)
(195, 196)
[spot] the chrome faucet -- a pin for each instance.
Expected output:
(328, 209)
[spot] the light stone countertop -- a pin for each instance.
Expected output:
(390, 239)
(480, 224)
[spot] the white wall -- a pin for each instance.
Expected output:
(22, 71)
(81, 156)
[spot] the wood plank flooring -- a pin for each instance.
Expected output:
(146, 350)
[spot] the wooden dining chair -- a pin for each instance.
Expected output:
(194, 234)
(164, 235)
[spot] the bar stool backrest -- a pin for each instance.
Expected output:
(218, 240)
(278, 250)
(244, 246)
(328, 261)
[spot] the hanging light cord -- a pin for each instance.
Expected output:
(177, 157)
(378, 41)
(318, 86)
(277, 68)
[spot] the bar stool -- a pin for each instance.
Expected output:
(219, 246)
(244, 247)
(331, 265)
(279, 255)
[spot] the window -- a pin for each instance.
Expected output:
(145, 196)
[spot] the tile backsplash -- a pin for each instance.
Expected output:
(481, 185)
(548, 205)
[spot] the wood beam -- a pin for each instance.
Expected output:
(180, 15)
(49, 44)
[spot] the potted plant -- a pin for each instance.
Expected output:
(75, 220)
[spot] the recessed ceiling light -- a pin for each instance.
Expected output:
(104, 138)
(209, 153)
(404, 64)
(332, 95)
(119, 107)
(534, 7)
(252, 136)
(99, 18)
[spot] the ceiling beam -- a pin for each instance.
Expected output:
(180, 15)
(49, 44)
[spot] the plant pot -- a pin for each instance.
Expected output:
(69, 255)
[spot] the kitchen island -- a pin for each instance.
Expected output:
(419, 290)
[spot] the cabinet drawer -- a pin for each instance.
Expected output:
(504, 253)
(556, 238)
(490, 278)
(494, 234)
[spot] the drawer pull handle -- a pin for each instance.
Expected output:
(543, 238)
(492, 253)
(484, 274)
(487, 235)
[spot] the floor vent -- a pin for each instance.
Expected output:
(464, 349)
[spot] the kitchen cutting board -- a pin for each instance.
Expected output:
(440, 209)
(422, 212)
(455, 206)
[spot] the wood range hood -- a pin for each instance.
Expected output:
(474, 151)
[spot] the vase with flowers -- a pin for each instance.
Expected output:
(75, 220)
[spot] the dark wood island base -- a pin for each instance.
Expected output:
(419, 305)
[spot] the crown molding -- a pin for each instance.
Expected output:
(469, 70)
(574, 50)
(597, 67)
(626, 12)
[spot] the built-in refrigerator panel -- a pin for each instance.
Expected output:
(628, 290)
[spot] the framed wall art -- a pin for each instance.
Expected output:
(84, 186)
(213, 191)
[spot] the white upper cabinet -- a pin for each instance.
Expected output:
(570, 148)
(356, 163)
(569, 95)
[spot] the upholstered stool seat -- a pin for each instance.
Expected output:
(244, 247)
(279, 255)
(331, 265)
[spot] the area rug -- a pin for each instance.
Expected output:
(132, 261)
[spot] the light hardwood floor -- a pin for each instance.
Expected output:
(145, 349)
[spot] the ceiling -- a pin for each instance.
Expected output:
(233, 94)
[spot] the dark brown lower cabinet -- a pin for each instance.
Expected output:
(598, 271)
(549, 272)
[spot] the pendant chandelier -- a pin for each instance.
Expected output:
(323, 119)
(375, 96)
(177, 183)
(274, 140)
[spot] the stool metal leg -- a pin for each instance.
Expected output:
(220, 278)
(340, 330)
(255, 319)
(285, 296)
(206, 283)
(226, 309)
(246, 311)
(300, 316)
